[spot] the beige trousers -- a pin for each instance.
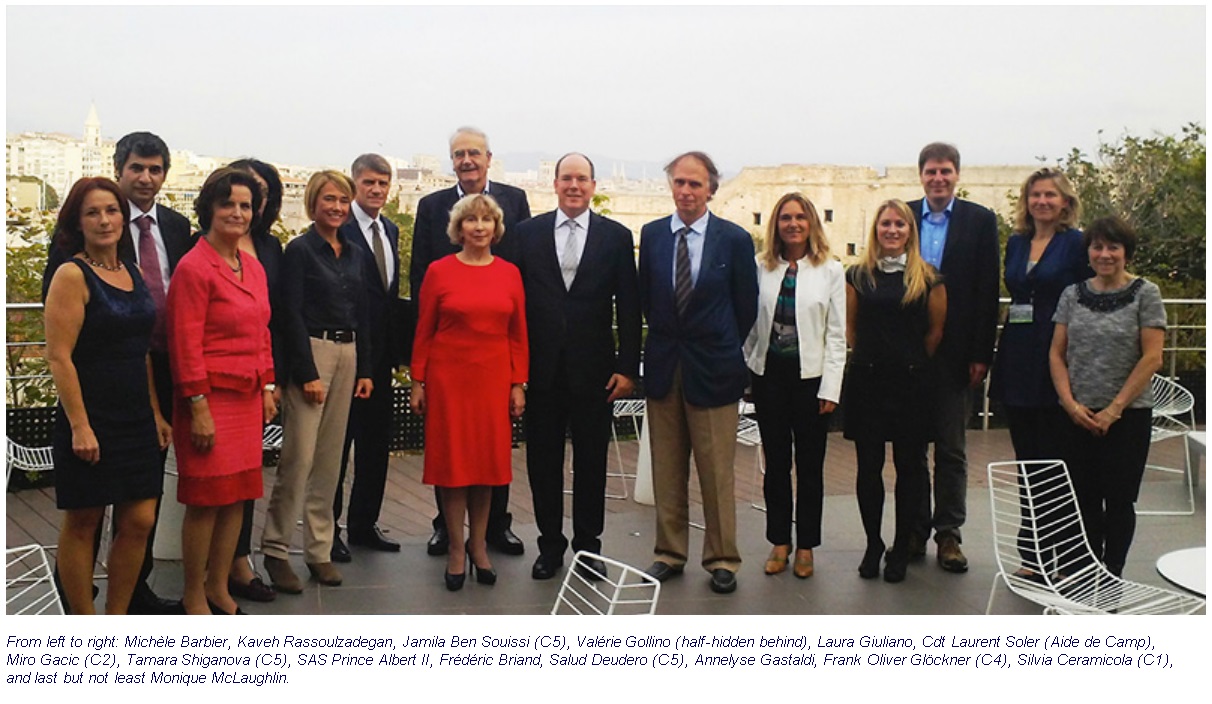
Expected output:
(312, 439)
(678, 429)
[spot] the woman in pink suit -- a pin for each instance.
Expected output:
(219, 344)
(469, 364)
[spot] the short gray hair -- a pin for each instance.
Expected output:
(370, 162)
(470, 130)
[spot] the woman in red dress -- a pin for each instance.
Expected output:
(218, 332)
(469, 367)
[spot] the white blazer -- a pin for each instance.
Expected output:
(820, 321)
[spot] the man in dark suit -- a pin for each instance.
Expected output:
(959, 238)
(369, 428)
(161, 237)
(470, 157)
(698, 288)
(578, 269)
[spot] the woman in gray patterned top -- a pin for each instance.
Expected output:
(1105, 349)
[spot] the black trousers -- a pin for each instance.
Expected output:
(369, 431)
(1107, 472)
(550, 415)
(1037, 434)
(789, 418)
(909, 456)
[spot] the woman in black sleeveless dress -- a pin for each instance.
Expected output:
(108, 428)
(895, 308)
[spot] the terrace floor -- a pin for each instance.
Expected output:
(410, 582)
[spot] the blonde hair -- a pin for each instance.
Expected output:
(919, 276)
(773, 248)
(475, 204)
(1025, 224)
(318, 181)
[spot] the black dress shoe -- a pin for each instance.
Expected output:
(482, 575)
(439, 542)
(723, 581)
(146, 603)
(506, 542)
(373, 539)
(340, 551)
(661, 571)
(895, 566)
(546, 566)
(592, 569)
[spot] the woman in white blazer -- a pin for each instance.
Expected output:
(797, 352)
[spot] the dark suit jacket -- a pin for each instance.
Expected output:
(574, 327)
(174, 230)
(430, 242)
(381, 304)
(721, 311)
(969, 269)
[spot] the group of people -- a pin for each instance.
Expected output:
(540, 318)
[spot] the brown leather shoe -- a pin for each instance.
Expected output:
(950, 557)
(777, 562)
(803, 563)
(283, 577)
(325, 573)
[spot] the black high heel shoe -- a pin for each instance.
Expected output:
(454, 582)
(869, 568)
(215, 610)
(482, 575)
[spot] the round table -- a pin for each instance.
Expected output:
(1186, 569)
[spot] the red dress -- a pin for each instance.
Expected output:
(470, 348)
(219, 346)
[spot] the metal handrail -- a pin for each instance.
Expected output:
(1172, 349)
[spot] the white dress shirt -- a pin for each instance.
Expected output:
(161, 250)
(562, 232)
(364, 222)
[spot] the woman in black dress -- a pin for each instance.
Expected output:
(895, 308)
(108, 428)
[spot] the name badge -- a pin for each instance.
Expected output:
(1021, 313)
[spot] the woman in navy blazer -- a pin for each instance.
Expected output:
(1043, 257)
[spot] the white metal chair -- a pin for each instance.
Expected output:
(271, 439)
(1173, 417)
(633, 408)
(1043, 555)
(29, 583)
(26, 459)
(748, 435)
(622, 591)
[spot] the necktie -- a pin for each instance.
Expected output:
(569, 268)
(380, 255)
(149, 260)
(682, 285)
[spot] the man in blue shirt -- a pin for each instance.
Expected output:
(959, 238)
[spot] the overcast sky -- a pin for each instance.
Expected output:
(753, 86)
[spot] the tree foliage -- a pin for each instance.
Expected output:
(1157, 184)
(405, 222)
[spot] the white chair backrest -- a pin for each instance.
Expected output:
(622, 591)
(28, 581)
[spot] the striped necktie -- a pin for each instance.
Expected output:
(682, 284)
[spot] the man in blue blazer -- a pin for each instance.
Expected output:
(959, 238)
(578, 269)
(470, 158)
(698, 290)
(369, 428)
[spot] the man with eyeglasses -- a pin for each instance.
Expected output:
(470, 158)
